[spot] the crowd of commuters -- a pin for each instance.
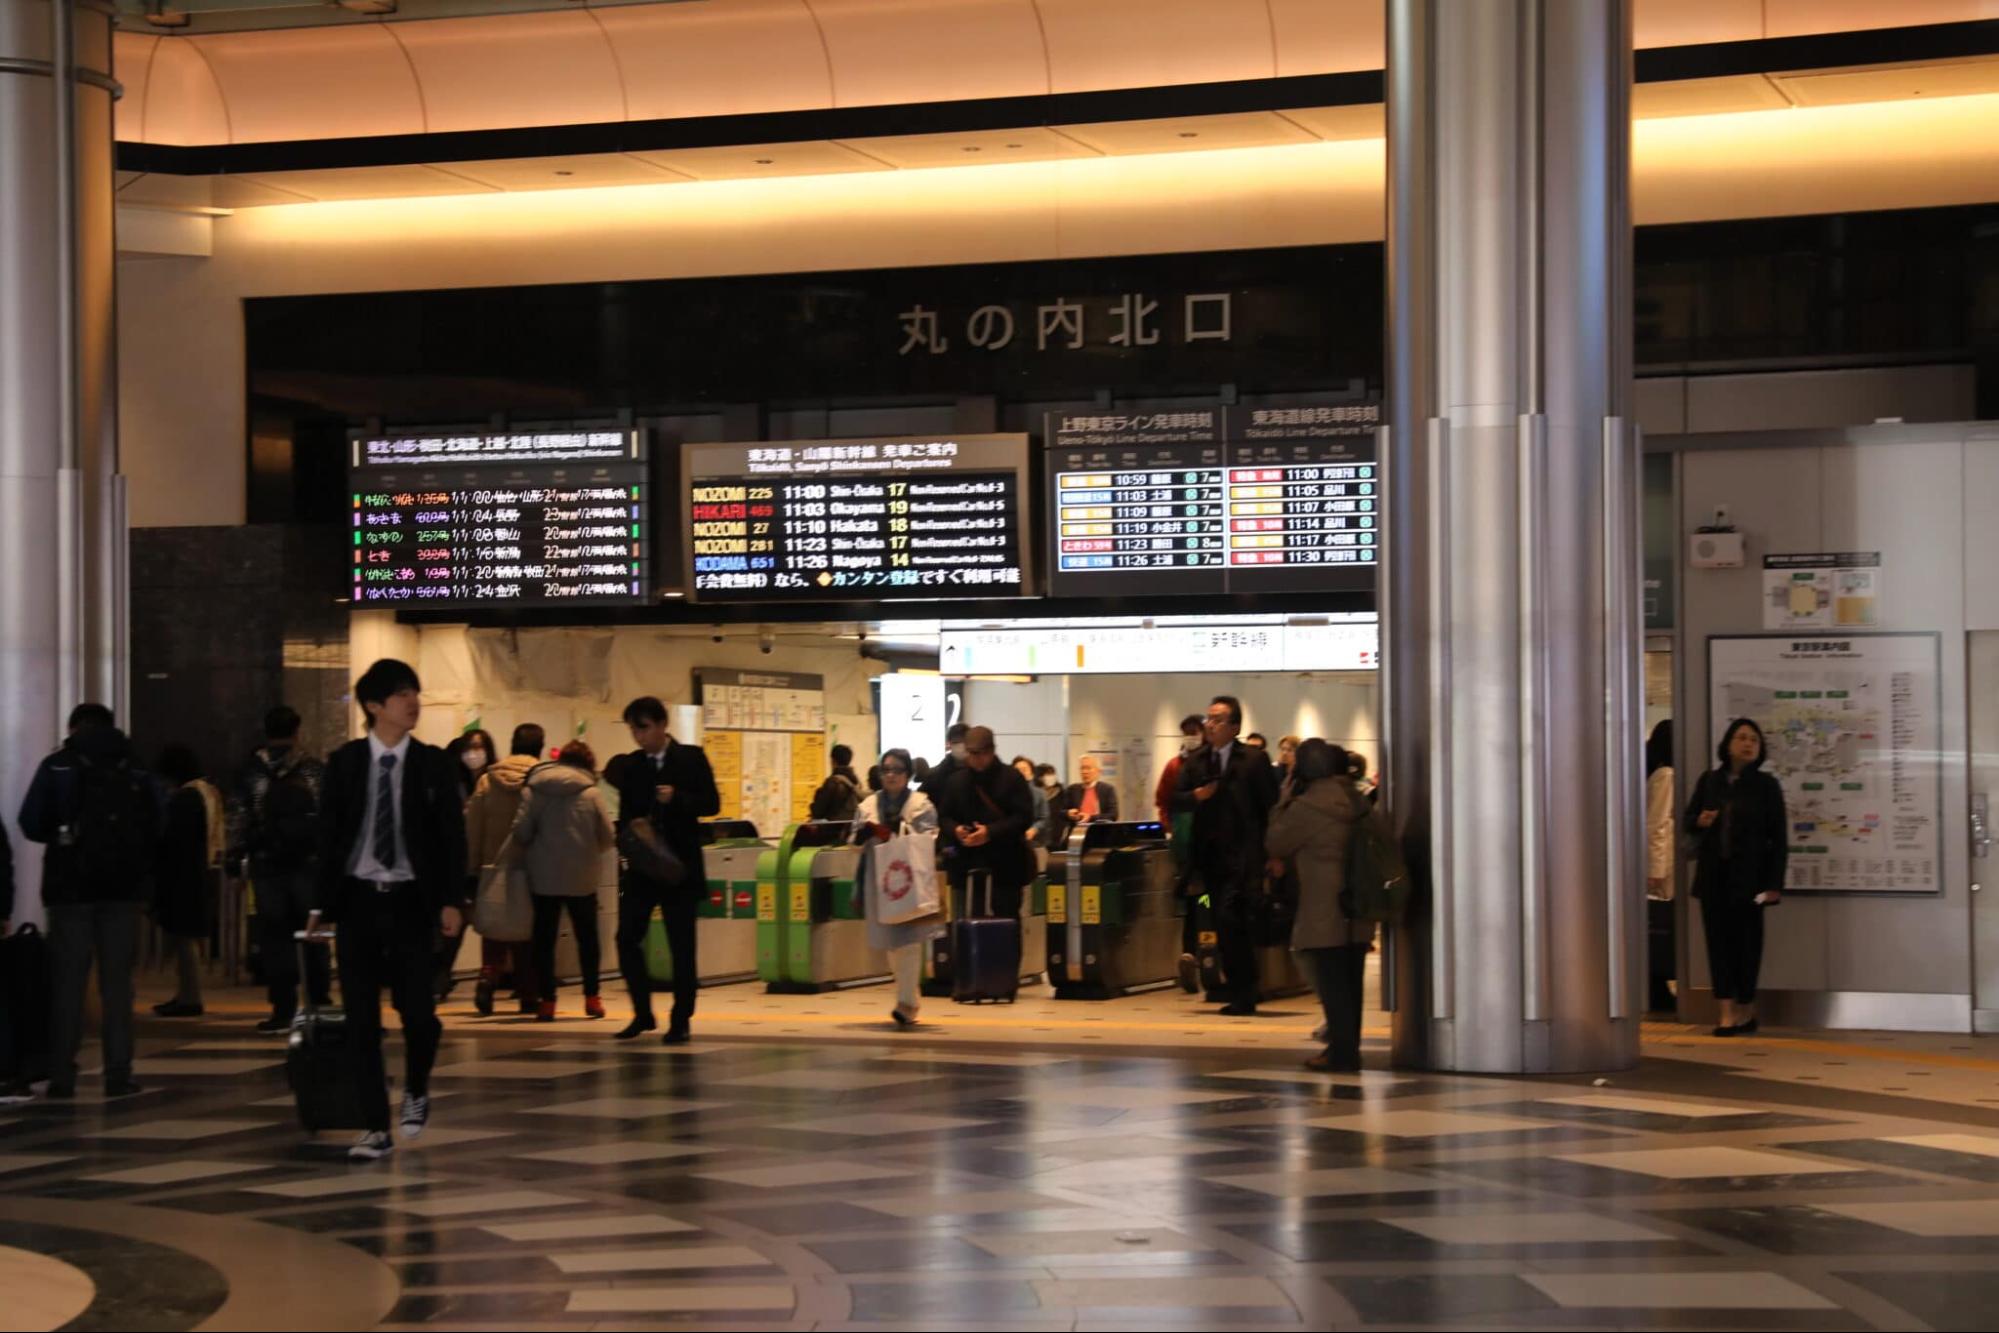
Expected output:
(391, 841)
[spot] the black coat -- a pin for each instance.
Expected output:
(433, 823)
(183, 901)
(1228, 827)
(1000, 799)
(686, 770)
(51, 803)
(6, 876)
(1744, 852)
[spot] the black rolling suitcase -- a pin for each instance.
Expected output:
(319, 1064)
(985, 950)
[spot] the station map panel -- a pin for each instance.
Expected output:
(470, 521)
(1213, 500)
(857, 520)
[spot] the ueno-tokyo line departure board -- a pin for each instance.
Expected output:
(1213, 501)
(555, 519)
(857, 520)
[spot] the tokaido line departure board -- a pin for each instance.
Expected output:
(514, 520)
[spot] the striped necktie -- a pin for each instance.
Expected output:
(385, 815)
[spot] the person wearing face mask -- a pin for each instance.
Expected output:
(489, 818)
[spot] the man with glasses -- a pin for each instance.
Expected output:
(987, 808)
(1229, 789)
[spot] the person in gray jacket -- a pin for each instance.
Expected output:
(561, 834)
(883, 816)
(1313, 830)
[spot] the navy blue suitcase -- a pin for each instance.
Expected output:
(985, 962)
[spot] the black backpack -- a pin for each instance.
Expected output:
(114, 830)
(288, 825)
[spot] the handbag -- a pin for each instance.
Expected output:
(646, 852)
(504, 910)
(902, 878)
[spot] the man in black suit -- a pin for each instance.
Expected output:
(671, 786)
(392, 877)
(985, 811)
(1230, 790)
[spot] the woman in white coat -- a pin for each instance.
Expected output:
(883, 815)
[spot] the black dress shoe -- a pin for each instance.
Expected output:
(60, 1092)
(176, 1009)
(1746, 1029)
(677, 1035)
(637, 1027)
(274, 1025)
(1239, 1010)
(124, 1087)
(1727, 1031)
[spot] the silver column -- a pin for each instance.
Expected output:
(1513, 703)
(62, 536)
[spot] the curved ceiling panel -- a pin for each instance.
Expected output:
(553, 68)
(132, 66)
(1328, 36)
(718, 60)
(183, 101)
(1096, 44)
(1791, 18)
(314, 83)
(1692, 22)
(887, 51)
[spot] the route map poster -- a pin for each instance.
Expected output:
(1854, 733)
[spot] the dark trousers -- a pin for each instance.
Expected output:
(637, 898)
(283, 901)
(1339, 975)
(388, 940)
(1235, 941)
(110, 932)
(583, 920)
(1734, 929)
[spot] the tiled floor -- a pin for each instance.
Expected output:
(1052, 1166)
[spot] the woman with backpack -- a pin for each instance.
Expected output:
(561, 834)
(884, 815)
(1313, 830)
(1742, 842)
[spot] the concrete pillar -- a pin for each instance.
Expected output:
(1514, 705)
(62, 530)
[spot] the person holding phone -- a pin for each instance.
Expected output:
(882, 816)
(1742, 845)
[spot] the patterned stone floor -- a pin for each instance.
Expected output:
(845, 1176)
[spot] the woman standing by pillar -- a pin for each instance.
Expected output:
(1742, 834)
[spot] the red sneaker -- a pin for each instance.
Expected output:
(593, 1007)
(545, 1012)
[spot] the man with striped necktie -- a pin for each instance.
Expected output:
(392, 875)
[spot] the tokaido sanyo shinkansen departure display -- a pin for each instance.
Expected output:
(857, 520)
(466, 521)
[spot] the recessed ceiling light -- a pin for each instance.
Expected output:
(972, 148)
(1190, 134)
(765, 161)
(565, 173)
(1015, 145)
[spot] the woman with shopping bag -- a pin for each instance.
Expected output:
(897, 883)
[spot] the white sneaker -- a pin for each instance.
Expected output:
(372, 1147)
(416, 1114)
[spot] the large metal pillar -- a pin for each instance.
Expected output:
(62, 515)
(1514, 704)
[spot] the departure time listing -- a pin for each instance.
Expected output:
(559, 537)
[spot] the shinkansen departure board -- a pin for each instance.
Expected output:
(482, 521)
(857, 520)
(1214, 500)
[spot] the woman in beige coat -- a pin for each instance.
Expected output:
(1313, 829)
(561, 835)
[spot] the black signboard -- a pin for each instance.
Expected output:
(1219, 500)
(467, 521)
(857, 520)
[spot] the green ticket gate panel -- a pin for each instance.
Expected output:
(785, 902)
(1113, 913)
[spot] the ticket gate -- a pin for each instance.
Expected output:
(811, 937)
(728, 913)
(1113, 912)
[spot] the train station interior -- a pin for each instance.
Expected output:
(1466, 523)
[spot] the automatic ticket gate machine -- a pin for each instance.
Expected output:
(810, 935)
(728, 913)
(1113, 913)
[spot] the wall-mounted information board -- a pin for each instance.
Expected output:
(857, 520)
(553, 519)
(1214, 500)
(765, 734)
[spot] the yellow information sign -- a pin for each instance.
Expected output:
(1093, 904)
(725, 756)
(1058, 903)
(808, 770)
(767, 902)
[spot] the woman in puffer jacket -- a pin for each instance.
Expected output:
(561, 835)
(1313, 830)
